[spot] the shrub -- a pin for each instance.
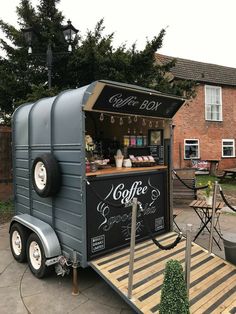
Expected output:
(174, 297)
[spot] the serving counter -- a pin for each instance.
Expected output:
(108, 216)
(123, 170)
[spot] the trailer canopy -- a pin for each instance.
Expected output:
(123, 98)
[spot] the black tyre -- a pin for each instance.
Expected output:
(46, 175)
(18, 239)
(36, 257)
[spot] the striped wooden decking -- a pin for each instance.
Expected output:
(213, 280)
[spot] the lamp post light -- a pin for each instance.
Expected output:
(69, 32)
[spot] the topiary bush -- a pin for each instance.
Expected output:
(174, 297)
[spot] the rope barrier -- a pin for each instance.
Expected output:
(157, 243)
(187, 186)
(105, 201)
(225, 200)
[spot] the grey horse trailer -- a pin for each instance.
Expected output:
(70, 205)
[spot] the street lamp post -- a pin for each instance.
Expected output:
(69, 32)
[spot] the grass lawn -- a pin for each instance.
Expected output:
(6, 211)
(226, 186)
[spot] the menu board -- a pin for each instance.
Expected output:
(109, 221)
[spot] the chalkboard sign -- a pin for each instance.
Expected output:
(121, 100)
(109, 227)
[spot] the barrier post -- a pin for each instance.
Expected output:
(75, 290)
(132, 246)
(213, 217)
(188, 256)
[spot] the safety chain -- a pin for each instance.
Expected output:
(157, 243)
(187, 186)
(225, 200)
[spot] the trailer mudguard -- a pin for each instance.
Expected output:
(43, 230)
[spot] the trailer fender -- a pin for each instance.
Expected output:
(43, 230)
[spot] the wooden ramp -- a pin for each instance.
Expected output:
(213, 280)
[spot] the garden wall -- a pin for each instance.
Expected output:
(5, 164)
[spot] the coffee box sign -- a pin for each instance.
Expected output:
(109, 221)
(114, 99)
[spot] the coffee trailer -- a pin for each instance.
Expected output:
(66, 213)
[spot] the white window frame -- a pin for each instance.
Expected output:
(198, 144)
(233, 146)
(207, 105)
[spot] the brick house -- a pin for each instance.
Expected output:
(205, 128)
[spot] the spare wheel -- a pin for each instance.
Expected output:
(46, 175)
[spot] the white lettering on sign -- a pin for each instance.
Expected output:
(119, 101)
(123, 195)
(150, 105)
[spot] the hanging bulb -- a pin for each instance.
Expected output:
(112, 119)
(128, 130)
(129, 120)
(144, 122)
(134, 131)
(156, 124)
(101, 118)
(135, 118)
(30, 50)
(150, 124)
(121, 121)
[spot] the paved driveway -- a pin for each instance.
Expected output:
(22, 293)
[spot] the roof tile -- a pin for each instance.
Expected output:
(200, 71)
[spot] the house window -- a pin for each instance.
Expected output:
(191, 149)
(213, 103)
(228, 148)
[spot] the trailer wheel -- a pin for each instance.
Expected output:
(46, 175)
(18, 239)
(36, 257)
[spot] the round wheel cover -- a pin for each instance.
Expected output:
(46, 175)
(18, 238)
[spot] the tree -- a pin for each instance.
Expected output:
(94, 57)
(174, 297)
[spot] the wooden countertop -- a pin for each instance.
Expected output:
(114, 170)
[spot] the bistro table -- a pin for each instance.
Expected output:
(228, 174)
(204, 212)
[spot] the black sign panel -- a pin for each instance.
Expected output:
(120, 100)
(109, 227)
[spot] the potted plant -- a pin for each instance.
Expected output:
(174, 298)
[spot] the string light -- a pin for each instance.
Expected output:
(112, 119)
(101, 118)
(130, 120)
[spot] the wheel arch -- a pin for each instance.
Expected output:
(43, 230)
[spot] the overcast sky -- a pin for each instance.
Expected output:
(201, 30)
